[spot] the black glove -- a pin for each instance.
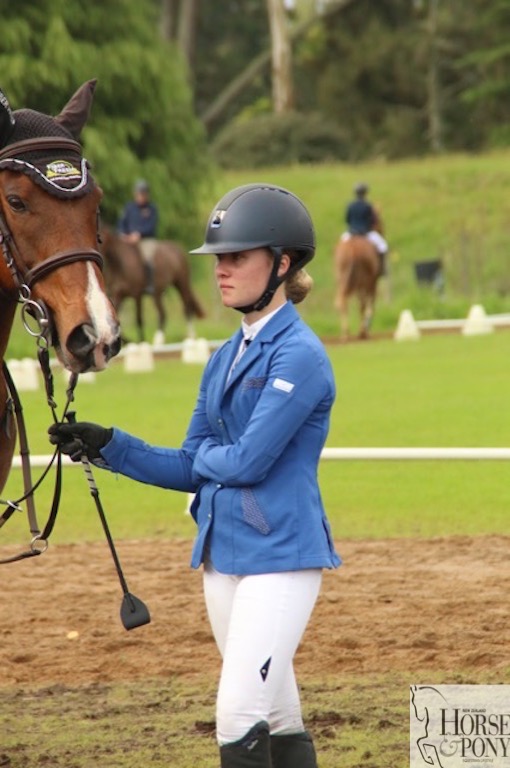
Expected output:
(80, 438)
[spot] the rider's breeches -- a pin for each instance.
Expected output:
(258, 622)
(375, 237)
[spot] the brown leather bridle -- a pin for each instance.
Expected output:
(24, 280)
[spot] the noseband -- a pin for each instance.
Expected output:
(23, 278)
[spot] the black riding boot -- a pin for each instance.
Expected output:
(149, 277)
(293, 750)
(252, 751)
(383, 263)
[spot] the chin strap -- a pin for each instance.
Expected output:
(272, 284)
(274, 280)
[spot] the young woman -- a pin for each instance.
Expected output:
(251, 455)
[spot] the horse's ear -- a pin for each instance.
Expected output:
(76, 112)
(7, 120)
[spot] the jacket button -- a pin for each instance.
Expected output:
(220, 422)
(219, 485)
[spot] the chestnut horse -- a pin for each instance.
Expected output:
(125, 277)
(48, 234)
(357, 270)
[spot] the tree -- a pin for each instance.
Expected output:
(142, 122)
(485, 67)
(223, 104)
(178, 20)
(281, 71)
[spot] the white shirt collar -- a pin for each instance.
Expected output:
(250, 331)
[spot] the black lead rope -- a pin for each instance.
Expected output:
(133, 611)
(40, 539)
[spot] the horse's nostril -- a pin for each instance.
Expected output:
(81, 341)
(110, 350)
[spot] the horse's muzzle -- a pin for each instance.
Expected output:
(84, 351)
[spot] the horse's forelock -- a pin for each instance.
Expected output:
(60, 171)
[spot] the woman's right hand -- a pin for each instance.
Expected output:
(82, 437)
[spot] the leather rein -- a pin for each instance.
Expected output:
(24, 279)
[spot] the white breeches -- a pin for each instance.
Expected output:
(375, 237)
(258, 622)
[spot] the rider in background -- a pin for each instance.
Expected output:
(138, 225)
(362, 219)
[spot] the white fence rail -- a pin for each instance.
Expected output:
(360, 454)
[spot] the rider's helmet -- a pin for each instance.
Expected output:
(261, 216)
(141, 186)
(361, 188)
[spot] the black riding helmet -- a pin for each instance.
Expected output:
(261, 216)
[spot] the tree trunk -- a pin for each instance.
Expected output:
(258, 64)
(434, 116)
(167, 19)
(186, 30)
(281, 57)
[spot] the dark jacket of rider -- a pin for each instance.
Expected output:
(360, 217)
(139, 218)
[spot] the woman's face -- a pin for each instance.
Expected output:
(242, 277)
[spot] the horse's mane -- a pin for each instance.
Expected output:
(113, 249)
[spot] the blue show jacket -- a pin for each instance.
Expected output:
(251, 453)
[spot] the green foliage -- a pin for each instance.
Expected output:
(271, 139)
(229, 36)
(142, 122)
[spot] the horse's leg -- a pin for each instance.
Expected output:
(139, 318)
(367, 313)
(343, 308)
(160, 307)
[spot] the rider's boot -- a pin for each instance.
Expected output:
(293, 750)
(252, 751)
(382, 263)
(149, 278)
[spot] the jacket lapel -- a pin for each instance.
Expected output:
(285, 317)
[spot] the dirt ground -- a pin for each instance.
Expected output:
(438, 605)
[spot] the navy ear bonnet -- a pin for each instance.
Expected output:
(47, 148)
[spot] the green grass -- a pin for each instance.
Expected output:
(454, 207)
(357, 722)
(440, 391)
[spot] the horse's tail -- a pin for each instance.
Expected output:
(191, 305)
(345, 266)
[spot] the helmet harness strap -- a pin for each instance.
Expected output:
(272, 284)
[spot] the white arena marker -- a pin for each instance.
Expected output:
(477, 322)
(138, 358)
(24, 374)
(195, 351)
(406, 328)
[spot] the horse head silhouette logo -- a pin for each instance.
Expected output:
(434, 745)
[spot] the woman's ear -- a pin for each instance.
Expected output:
(284, 264)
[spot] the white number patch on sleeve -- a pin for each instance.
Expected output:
(285, 386)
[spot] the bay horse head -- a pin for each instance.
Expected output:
(49, 208)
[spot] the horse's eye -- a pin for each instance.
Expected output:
(16, 203)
